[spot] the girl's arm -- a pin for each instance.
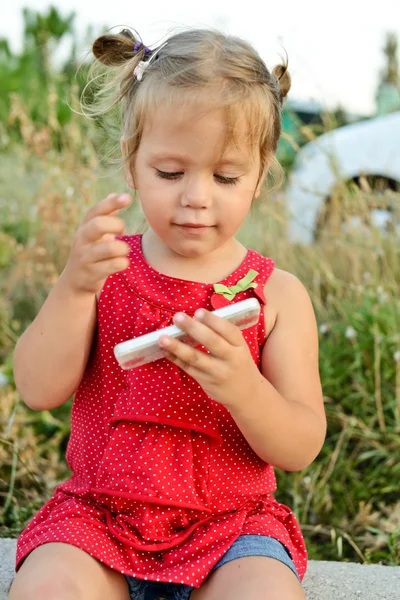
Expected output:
(51, 355)
(280, 411)
(283, 418)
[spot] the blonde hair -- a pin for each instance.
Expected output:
(226, 68)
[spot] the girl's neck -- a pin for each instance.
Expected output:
(209, 268)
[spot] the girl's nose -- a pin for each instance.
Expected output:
(197, 193)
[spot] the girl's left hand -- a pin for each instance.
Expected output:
(227, 373)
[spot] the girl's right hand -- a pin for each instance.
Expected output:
(95, 253)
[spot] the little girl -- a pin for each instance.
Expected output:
(171, 493)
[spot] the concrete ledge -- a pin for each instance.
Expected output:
(323, 581)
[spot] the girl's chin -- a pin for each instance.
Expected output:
(193, 247)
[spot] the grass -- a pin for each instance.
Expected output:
(347, 501)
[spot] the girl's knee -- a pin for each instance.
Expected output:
(58, 571)
(44, 587)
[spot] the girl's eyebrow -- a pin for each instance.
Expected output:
(236, 162)
(185, 159)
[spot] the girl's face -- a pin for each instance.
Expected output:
(194, 197)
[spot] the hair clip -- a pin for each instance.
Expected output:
(143, 64)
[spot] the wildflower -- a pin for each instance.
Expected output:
(383, 297)
(396, 356)
(3, 380)
(69, 191)
(323, 328)
(350, 333)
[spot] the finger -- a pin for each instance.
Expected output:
(220, 326)
(230, 332)
(189, 369)
(215, 344)
(186, 357)
(99, 226)
(115, 265)
(107, 206)
(107, 250)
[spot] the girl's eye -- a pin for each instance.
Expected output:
(167, 175)
(175, 175)
(227, 180)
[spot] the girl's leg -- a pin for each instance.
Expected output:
(58, 571)
(250, 578)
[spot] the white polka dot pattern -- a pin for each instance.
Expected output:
(163, 480)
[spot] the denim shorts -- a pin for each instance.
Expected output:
(245, 545)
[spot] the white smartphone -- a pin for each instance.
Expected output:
(144, 349)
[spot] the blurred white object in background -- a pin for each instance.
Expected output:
(368, 149)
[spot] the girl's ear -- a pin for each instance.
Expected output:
(127, 167)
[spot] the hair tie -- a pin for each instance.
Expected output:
(139, 45)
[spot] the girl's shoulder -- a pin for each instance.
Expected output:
(284, 281)
(284, 288)
(285, 294)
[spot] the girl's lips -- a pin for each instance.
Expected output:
(197, 225)
(191, 229)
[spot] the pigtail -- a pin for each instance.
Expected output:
(110, 92)
(111, 75)
(123, 53)
(114, 50)
(284, 80)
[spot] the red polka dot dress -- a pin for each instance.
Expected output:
(163, 481)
